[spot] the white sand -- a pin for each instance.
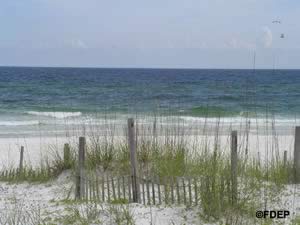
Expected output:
(45, 200)
(37, 148)
(46, 197)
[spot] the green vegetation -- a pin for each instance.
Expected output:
(73, 214)
(167, 152)
(46, 171)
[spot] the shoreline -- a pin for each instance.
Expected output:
(39, 148)
(69, 126)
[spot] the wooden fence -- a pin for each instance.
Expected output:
(139, 188)
(153, 191)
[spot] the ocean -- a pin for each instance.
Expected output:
(48, 99)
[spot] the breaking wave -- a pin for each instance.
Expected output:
(20, 123)
(59, 115)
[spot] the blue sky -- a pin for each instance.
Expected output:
(156, 33)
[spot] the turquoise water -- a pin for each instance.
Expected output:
(44, 96)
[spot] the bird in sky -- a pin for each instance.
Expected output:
(276, 21)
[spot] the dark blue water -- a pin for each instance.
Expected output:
(198, 93)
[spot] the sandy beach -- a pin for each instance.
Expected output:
(39, 148)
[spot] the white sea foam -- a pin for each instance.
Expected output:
(240, 120)
(19, 123)
(59, 115)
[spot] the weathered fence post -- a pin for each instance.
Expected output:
(80, 188)
(234, 159)
(297, 155)
(21, 159)
(285, 159)
(67, 163)
(133, 160)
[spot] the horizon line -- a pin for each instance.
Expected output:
(154, 68)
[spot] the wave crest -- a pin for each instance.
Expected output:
(19, 123)
(59, 115)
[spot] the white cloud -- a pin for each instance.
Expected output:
(77, 43)
(238, 43)
(267, 37)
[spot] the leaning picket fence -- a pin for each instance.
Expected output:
(152, 190)
(145, 189)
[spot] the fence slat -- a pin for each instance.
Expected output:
(119, 190)
(113, 188)
(94, 188)
(148, 191)
(184, 191)
(234, 166)
(123, 186)
(285, 159)
(103, 188)
(196, 191)
(166, 190)
(153, 190)
(129, 188)
(190, 190)
(86, 190)
(108, 188)
(177, 191)
(91, 188)
(172, 189)
(97, 189)
(222, 190)
(158, 190)
(21, 160)
(143, 190)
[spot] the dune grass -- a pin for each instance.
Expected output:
(168, 152)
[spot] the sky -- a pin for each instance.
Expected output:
(150, 34)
